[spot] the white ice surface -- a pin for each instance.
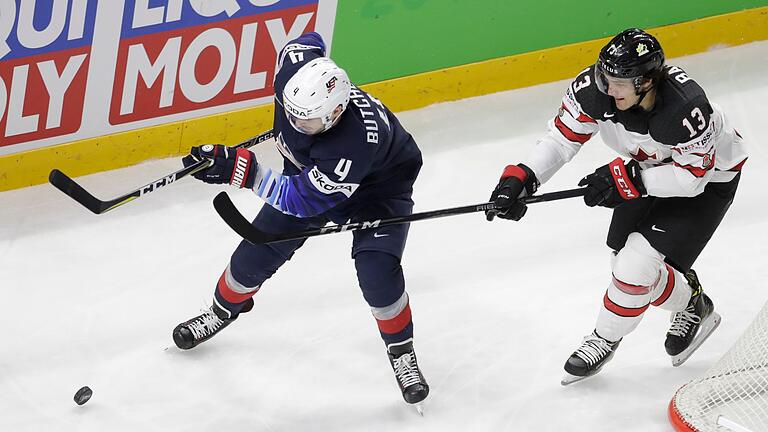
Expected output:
(498, 307)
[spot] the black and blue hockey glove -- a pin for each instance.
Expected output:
(236, 166)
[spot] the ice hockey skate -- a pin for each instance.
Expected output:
(199, 329)
(589, 358)
(692, 325)
(412, 384)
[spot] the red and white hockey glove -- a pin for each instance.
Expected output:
(230, 165)
(613, 184)
(516, 182)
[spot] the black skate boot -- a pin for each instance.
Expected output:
(589, 358)
(199, 329)
(412, 384)
(692, 325)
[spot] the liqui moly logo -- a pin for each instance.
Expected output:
(45, 48)
(76, 69)
(181, 56)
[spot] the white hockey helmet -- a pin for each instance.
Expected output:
(313, 93)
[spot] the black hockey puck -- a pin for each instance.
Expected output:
(83, 395)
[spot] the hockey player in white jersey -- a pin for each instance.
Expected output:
(675, 180)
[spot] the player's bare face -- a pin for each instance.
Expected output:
(622, 91)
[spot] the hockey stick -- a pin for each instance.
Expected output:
(70, 187)
(232, 216)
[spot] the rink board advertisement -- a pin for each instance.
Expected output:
(76, 69)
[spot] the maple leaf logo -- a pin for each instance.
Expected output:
(641, 155)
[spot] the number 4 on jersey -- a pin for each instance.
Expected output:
(342, 168)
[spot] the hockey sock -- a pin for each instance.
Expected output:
(233, 296)
(636, 270)
(672, 292)
(394, 321)
(622, 309)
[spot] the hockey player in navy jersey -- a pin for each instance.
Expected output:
(346, 158)
(675, 180)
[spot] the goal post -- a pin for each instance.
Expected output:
(733, 394)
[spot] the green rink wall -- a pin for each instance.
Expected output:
(377, 40)
(413, 53)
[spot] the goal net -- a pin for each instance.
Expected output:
(733, 394)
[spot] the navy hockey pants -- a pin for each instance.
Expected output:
(376, 252)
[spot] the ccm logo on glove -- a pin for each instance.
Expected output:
(620, 175)
(613, 184)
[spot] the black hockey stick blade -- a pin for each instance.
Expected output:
(232, 216)
(70, 187)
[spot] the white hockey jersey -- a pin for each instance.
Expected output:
(682, 143)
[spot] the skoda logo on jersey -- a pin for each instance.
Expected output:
(325, 185)
(328, 186)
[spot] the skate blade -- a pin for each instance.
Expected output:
(419, 408)
(569, 379)
(707, 328)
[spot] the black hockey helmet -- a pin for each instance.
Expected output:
(632, 54)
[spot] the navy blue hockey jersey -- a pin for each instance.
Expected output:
(359, 159)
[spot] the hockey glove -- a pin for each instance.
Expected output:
(613, 184)
(516, 182)
(230, 165)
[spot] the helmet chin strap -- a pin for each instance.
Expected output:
(641, 94)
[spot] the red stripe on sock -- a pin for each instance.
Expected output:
(396, 324)
(667, 289)
(229, 295)
(622, 311)
(631, 289)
